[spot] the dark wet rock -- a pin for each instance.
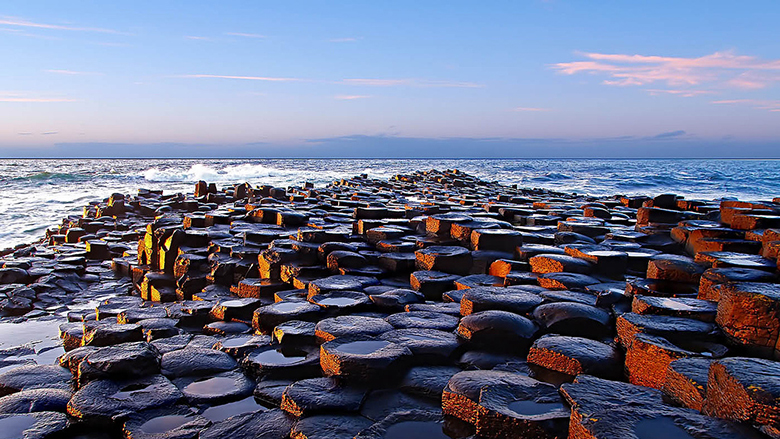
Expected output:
(749, 315)
(717, 276)
(382, 403)
(460, 397)
(577, 355)
(270, 391)
(648, 357)
(321, 395)
(429, 346)
(362, 358)
(103, 333)
(329, 427)
(744, 389)
(427, 381)
(450, 308)
(340, 283)
(423, 320)
(608, 294)
(503, 299)
(195, 362)
(672, 328)
(686, 382)
(331, 328)
(553, 263)
(413, 424)
(36, 400)
(341, 300)
(568, 296)
(174, 343)
(566, 281)
(479, 280)
(271, 424)
(521, 411)
(602, 408)
(154, 329)
(239, 346)
(267, 317)
(215, 389)
(295, 332)
(294, 362)
(674, 268)
(679, 307)
(396, 299)
(135, 315)
(485, 360)
(447, 259)
(235, 309)
(574, 319)
(39, 425)
(122, 361)
(496, 239)
(221, 412)
(177, 422)
(499, 330)
(107, 400)
(432, 284)
(226, 329)
(34, 376)
(735, 260)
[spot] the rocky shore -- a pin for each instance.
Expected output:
(433, 305)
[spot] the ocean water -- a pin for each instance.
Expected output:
(37, 194)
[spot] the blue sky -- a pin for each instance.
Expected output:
(314, 78)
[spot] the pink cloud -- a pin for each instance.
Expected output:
(351, 97)
(246, 78)
(759, 104)
(720, 69)
(530, 109)
(19, 22)
(373, 82)
(683, 93)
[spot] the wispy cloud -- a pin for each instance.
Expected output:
(71, 72)
(49, 133)
(668, 135)
(520, 109)
(759, 104)
(20, 22)
(345, 40)
(196, 38)
(720, 69)
(683, 93)
(34, 100)
(245, 78)
(351, 97)
(244, 34)
(376, 82)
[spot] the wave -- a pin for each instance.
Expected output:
(228, 174)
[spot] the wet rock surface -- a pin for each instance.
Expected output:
(430, 305)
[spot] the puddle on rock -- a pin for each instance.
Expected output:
(210, 386)
(530, 408)
(337, 301)
(220, 412)
(416, 430)
(362, 347)
(236, 341)
(660, 428)
(287, 306)
(163, 424)
(13, 427)
(280, 356)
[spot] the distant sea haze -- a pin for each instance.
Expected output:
(37, 194)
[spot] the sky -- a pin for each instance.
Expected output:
(522, 78)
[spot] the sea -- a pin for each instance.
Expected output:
(35, 194)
